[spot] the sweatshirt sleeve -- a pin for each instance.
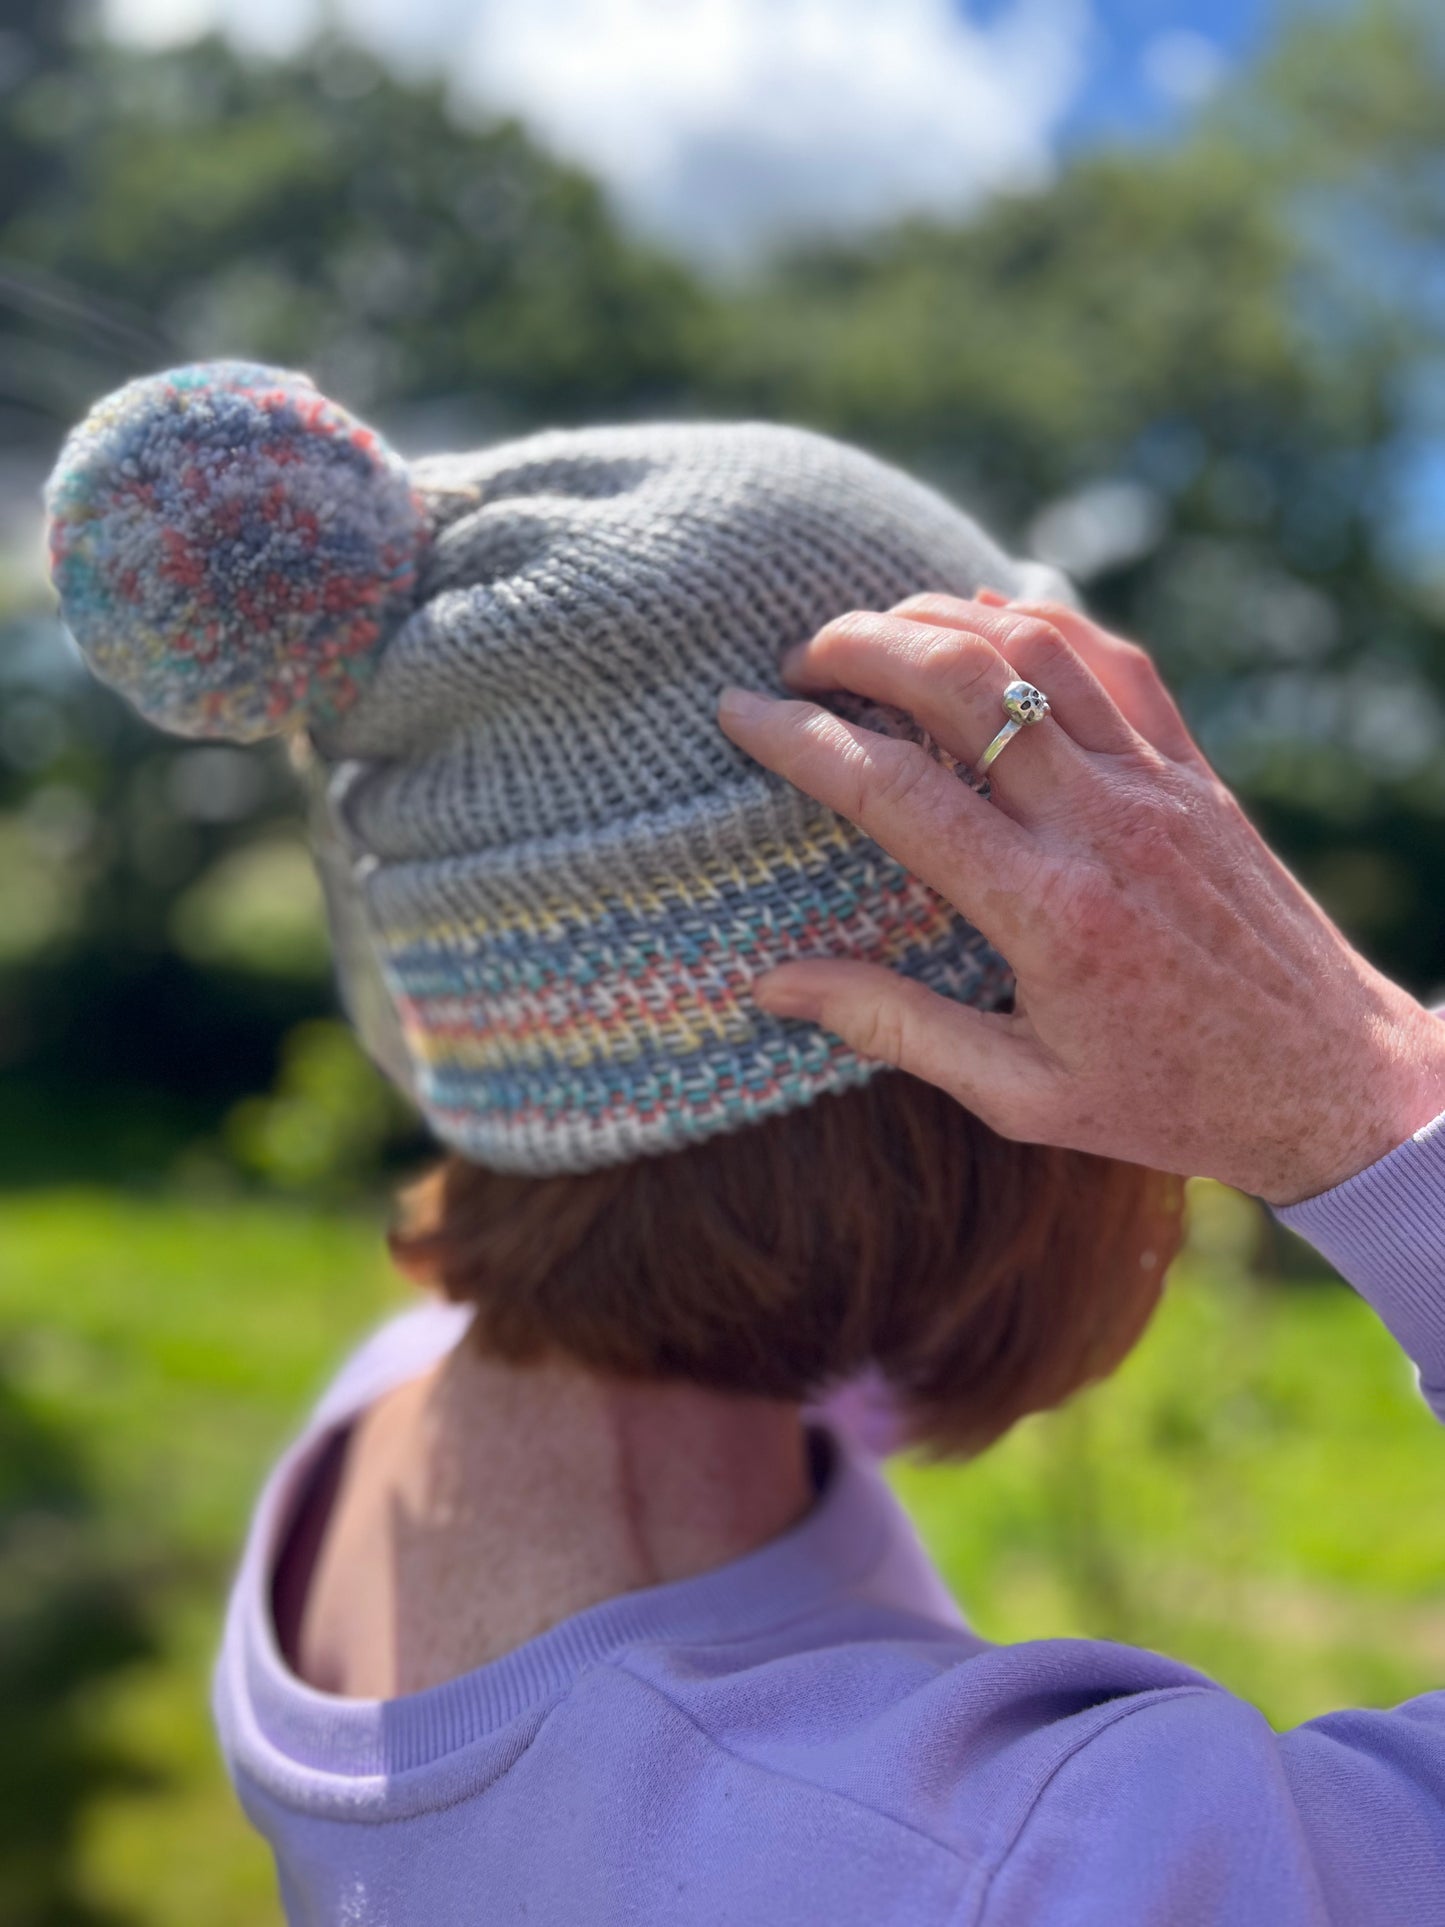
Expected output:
(1384, 1230)
(1188, 1810)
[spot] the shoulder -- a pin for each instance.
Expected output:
(1078, 1781)
(955, 1739)
(1187, 1807)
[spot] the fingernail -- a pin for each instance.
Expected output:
(992, 598)
(742, 706)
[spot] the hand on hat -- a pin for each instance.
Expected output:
(1182, 1001)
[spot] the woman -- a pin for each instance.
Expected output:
(563, 1608)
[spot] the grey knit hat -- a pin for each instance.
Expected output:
(551, 879)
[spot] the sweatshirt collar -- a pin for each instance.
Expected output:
(277, 1723)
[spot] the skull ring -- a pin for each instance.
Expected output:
(1023, 705)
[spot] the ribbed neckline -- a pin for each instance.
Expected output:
(842, 1538)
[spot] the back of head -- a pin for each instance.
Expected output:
(573, 876)
(883, 1230)
(552, 880)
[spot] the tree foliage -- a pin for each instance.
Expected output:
(1209, 373)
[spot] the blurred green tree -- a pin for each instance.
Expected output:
(1207, 375)
(73, 1614)
(450, 279)
(1210, 379)
(322, 212)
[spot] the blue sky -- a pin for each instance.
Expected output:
(722, 126)
(1121, 94)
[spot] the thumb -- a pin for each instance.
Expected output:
(978, 1057)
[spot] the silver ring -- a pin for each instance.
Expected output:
(1024, 705)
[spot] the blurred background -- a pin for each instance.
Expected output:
(1158, 290)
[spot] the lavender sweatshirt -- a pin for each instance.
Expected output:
(811, 1734)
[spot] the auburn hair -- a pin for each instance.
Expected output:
(883, 1227)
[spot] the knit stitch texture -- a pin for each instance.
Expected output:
(552, 880)
(231, 549)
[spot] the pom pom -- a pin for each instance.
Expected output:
(231, 548)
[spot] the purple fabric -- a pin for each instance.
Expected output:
(810, 1734)
(1385, 1231)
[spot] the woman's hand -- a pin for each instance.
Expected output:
(1182, 1002)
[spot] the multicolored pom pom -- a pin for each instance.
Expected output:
(231, 548)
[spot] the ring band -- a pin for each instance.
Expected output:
(1024, 705)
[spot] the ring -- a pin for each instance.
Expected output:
(1023, 705)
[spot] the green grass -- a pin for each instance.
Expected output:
(1255, 1492)
(175, 1344)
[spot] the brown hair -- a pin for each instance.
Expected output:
(886, 1226)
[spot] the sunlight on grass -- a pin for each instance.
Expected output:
(177, 1343)
(1254, 1492)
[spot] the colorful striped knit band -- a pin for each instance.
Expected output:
(592, 1001)
(552, 881)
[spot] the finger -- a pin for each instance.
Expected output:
(1130, 676)
(937, 827)
(981, 1058)
(1043, 654)
(952, 682)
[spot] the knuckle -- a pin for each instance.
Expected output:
(929, 603)
(956, 662)
(887, 777)
(1057, 615)
(881, 1034)
(817, 754)
(854, 626)
(806, 737)
(1039, 641)
(1138, 662)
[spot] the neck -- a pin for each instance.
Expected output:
(484, 1502)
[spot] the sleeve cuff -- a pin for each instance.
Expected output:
(1384, 1230)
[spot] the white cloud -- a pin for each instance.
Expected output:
(158, 23)
(724, 123)
(721, 122)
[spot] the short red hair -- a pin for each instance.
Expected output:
(886, 1226)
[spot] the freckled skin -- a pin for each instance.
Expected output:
(561, 1487)
(1182, 1001)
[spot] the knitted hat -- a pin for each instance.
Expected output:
(551, 879)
